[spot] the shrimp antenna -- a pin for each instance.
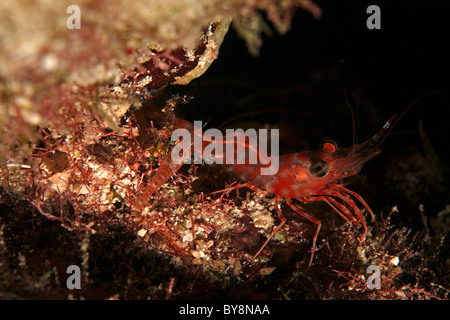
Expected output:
(252, 113)
(352, 113)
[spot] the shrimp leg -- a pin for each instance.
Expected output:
(243, 185)
(277, 207)
(302, 213)
(283, 221)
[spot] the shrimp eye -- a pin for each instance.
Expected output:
(328, 144)
(319, 169)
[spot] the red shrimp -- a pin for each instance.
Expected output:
(307, 176)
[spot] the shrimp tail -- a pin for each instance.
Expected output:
(166, 170)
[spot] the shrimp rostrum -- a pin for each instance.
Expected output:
(306, 177)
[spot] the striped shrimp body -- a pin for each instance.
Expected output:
(307, 176)
(165, 171)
